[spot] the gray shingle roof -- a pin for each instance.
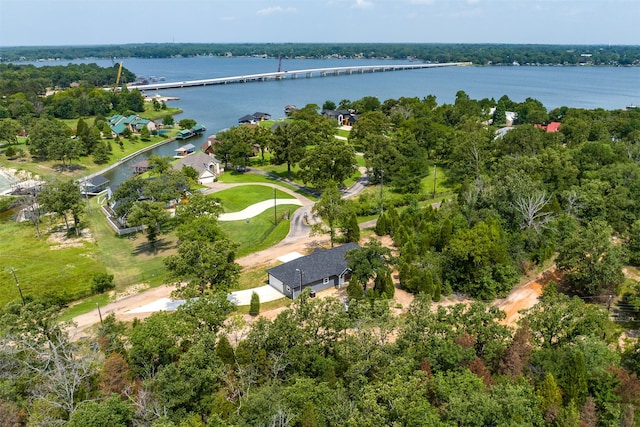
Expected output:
(316, 266)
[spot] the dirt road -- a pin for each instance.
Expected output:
(300, 240)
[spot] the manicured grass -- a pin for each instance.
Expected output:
(238, 198)
(259, 233)
(281, 171)
(248, 177)
(45, 267)
(360, 161)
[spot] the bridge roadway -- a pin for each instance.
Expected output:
(294, 74)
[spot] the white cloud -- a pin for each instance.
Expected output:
(425, 2)
(363, 4)
(228, 18)
(275, 9)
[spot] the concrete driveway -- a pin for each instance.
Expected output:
(266, 294)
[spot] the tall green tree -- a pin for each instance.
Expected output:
(592, 263)
(330, 208)
(150, 215)
(288, 143)
(204, 266)
(329, 160)
(369, 262)
(63, 198)
(45, 136)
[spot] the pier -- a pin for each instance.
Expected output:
(295, 74)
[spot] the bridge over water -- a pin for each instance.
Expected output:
(294, 74)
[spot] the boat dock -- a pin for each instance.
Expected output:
(294, 74)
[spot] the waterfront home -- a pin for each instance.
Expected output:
(207, 166)
(254, 118)
(343, 117)
(94, 186)
(118, 123)
(320, 270)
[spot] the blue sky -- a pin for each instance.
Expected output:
(86, 22)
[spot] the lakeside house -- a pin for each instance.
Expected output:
(343, 117)
(550, 128)
(94, 186)
(254, 118)
(207, 166)
(134, 123)
(322, 269)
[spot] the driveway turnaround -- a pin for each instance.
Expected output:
(256, 209)
(266, 294)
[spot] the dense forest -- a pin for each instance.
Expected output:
(525, 194)
(480, 54)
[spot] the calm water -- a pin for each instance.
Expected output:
(219, 107)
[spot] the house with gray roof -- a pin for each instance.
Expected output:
(208, 167)
(322, 269)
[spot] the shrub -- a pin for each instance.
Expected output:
(254, 308)
(102, 282)
(10, 152)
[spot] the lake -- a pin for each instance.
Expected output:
(219, 107)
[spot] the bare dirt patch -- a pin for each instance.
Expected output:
(61, 240)
(525, 296)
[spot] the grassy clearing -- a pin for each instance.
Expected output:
(440, 179)
(238, 198)
(343, 133)
(253, 278)
(259, 233)
(130, 259)
(44, 266)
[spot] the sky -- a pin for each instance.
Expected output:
(99, 22)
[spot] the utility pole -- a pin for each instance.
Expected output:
(381, 188)
(434, 181)
(100, 314)
(17, 284)
(299, 270)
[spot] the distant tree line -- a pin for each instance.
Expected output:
(29, 79)
(482, 54)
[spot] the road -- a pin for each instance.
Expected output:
(300, 240)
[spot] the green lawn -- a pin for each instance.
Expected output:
(238, 198)
(81, 167)
(44, 266)
(259, 233)
(343, 133)
(253, 278)
(85, 165)
(441, 179)
(129, 258)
